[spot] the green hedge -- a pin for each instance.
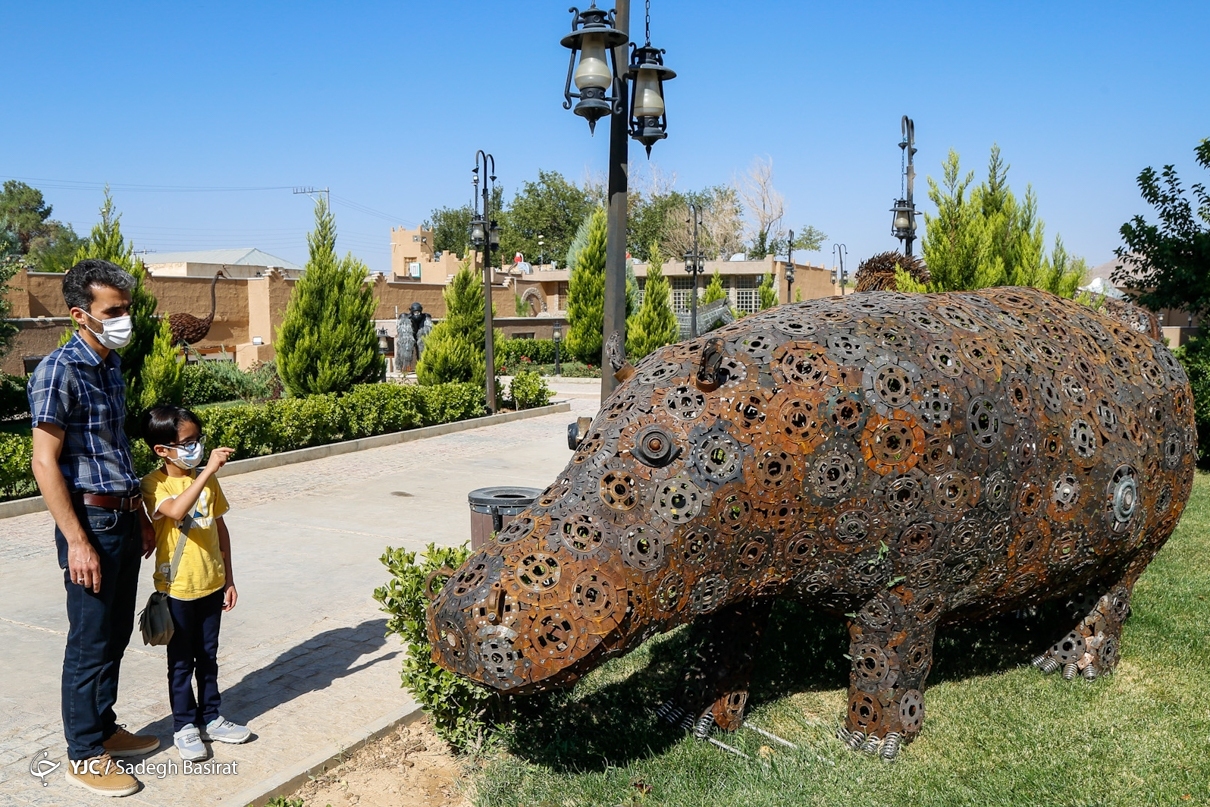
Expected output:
(209, 382)
(538, 351)
(271, 427)
(13, 401)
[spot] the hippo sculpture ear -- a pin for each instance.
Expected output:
(709, 373)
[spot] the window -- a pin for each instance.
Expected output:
(682, 293)
(747, 298)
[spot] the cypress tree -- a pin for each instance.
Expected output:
(162, 379)
(586, 295)
(327, 342)
(714, 289)
(455, 350)
(106, 242)
(655, 324)
(768, 294)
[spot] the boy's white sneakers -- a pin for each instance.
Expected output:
(188, 742)
(222, 730)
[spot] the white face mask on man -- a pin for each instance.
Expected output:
(115, 333)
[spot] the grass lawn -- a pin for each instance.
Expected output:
(997, 732)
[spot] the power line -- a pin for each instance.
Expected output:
(71, 184)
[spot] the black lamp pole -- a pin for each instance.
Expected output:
(790, 268)
(485, 235)
(693, 265)
(904, 225)
(601, 38)
(839, 251)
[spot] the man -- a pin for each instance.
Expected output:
(84, 471)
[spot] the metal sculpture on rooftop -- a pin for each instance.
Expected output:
(902, 461)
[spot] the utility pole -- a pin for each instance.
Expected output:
(309, 191)
(615, 244)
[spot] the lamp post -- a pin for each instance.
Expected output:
(693, 265)
(600, 38)
(384, 350)
(903, 226)
(839, 251)
(541, 251)
(485, 236)
(790, 268)
(557, 332)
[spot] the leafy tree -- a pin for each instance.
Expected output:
(10, 264)
(720, 234)
(654, 325)
(107, 243)
(327, 342)
(988, 237)
(456, 349)
(648, 218)
(162, 379)
(451, 229)
(54, 248)
(767, 292)
(1167, 265)
(714, 289)
(23, 212)
(552, 207)
(586, 295)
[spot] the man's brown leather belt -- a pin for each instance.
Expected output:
(112, 502)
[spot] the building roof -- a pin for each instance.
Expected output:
(246, 256)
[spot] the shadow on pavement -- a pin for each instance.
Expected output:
(307, 667)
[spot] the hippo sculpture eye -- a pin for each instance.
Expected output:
(654, 447)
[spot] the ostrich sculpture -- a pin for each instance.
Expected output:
(188, 329)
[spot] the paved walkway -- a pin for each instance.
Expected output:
(303, 661)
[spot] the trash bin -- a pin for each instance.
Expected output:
(492, 508)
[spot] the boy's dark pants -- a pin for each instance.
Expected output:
(99, 627)
(194, 650)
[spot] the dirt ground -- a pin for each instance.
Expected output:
(409, 767)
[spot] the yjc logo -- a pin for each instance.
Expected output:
(41, 766)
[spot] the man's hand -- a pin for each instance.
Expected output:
(84, 566)
(148, 534)
(229, 596)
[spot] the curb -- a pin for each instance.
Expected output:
(34, 504)
(290, 780)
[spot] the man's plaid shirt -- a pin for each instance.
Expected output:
(75, 390)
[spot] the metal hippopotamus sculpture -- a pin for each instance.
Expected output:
(905, 461)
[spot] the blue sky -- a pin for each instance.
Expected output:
(386, 104)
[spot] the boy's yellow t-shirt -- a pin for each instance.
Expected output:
(201, 568)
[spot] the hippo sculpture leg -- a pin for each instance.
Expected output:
(906, 462)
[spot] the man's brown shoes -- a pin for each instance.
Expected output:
(102, 776)
(125, 744)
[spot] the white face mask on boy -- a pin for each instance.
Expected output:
(189, 455)
(115, 333)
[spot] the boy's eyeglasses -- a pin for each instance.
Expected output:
(190, 446)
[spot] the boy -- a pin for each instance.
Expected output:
(202, 587)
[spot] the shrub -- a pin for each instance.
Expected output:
(16, 476)
(528, 390)
(13, 401)
(586, 295)
(1195, 357)
(455, 349)
(462, 713)
(655, 324)
(160, 380)
(512, 352)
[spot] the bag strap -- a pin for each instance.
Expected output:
(186, 526)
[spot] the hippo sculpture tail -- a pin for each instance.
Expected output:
(902, 461)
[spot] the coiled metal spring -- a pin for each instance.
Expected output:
(870, 746)
(1090, 673)
(1047, 664)
(890, 746)
(1069, 672)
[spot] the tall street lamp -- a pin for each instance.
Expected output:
(790, 268)
(599, 38)
(694, 265)
(557, 333)
(839, 251)
(903, 226)
(541, 251)
(485, 236)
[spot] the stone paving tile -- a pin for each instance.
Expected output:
(303, 658)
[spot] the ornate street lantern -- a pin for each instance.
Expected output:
(478, 232)
(903, 226)
(648, 120)
(594, 38)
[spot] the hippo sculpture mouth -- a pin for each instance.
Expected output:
(903, 461)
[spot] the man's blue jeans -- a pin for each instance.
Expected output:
(99, 627)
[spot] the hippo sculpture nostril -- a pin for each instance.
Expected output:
(900, 461)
